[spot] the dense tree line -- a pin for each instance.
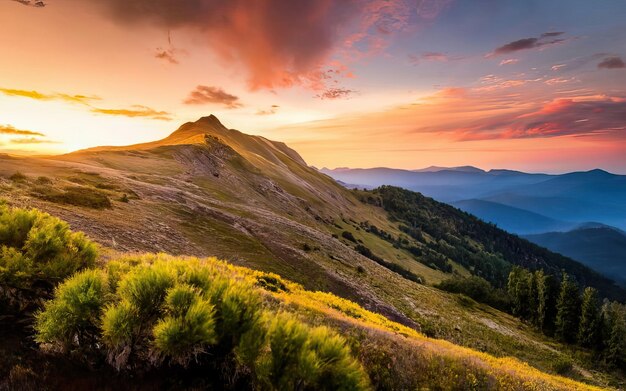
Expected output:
(560, 309)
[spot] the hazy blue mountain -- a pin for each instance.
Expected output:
(457, 169)
(446, 185)
(597, 246)
(515, 220)
(576, 197)
(580, 196)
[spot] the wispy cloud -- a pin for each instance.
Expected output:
(545, 39)
(335, 93)
(432, 57)
(10, 130)
(202, 95)
(28, 136)
(510, 61)
(613, 62)
(32, 140)
(135, 111)
(168, 55)
(85, 100)
(272, 110)
(36, 95)
(32, 3)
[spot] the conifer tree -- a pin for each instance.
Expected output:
(615, 345)
(519, 287)
(532, 305)
(547, 292)
(590, 326)
(568, 311)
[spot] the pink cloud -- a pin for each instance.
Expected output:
(510, 61)
(560, 117)
(278, 43)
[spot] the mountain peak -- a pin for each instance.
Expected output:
(211, 120)
(457, 169)
(599, 172)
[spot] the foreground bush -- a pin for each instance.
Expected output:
(142, 312)
(304, 358)
(74, 313)
(36, 252)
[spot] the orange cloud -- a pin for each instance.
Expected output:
(32, 140)
(132, 112)
(272, 110)
(214, 95)
(136, 111)
(82, 99)
(10, 130)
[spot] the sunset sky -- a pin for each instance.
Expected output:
(530, 85)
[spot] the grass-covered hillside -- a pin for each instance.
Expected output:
(158, 321)
(212, 191)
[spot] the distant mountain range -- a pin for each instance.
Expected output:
(551, 210)
(601, 247)
(557, 202)
(512, 219)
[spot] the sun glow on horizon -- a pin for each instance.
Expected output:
(359, 86)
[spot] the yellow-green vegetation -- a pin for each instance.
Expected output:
(37, 251)
(152, 310)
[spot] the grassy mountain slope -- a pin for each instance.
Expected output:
(209, 190)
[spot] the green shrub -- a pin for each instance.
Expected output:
(145, 288)
(348, 235)
(238, 311)
(271, 282)
(18, 177)
(478, 289)
(120, 324)
(562, 365)
(188, 329)
(84, 196)
(301, 357)
(36, 247)
(43, 180)
(72, 317)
